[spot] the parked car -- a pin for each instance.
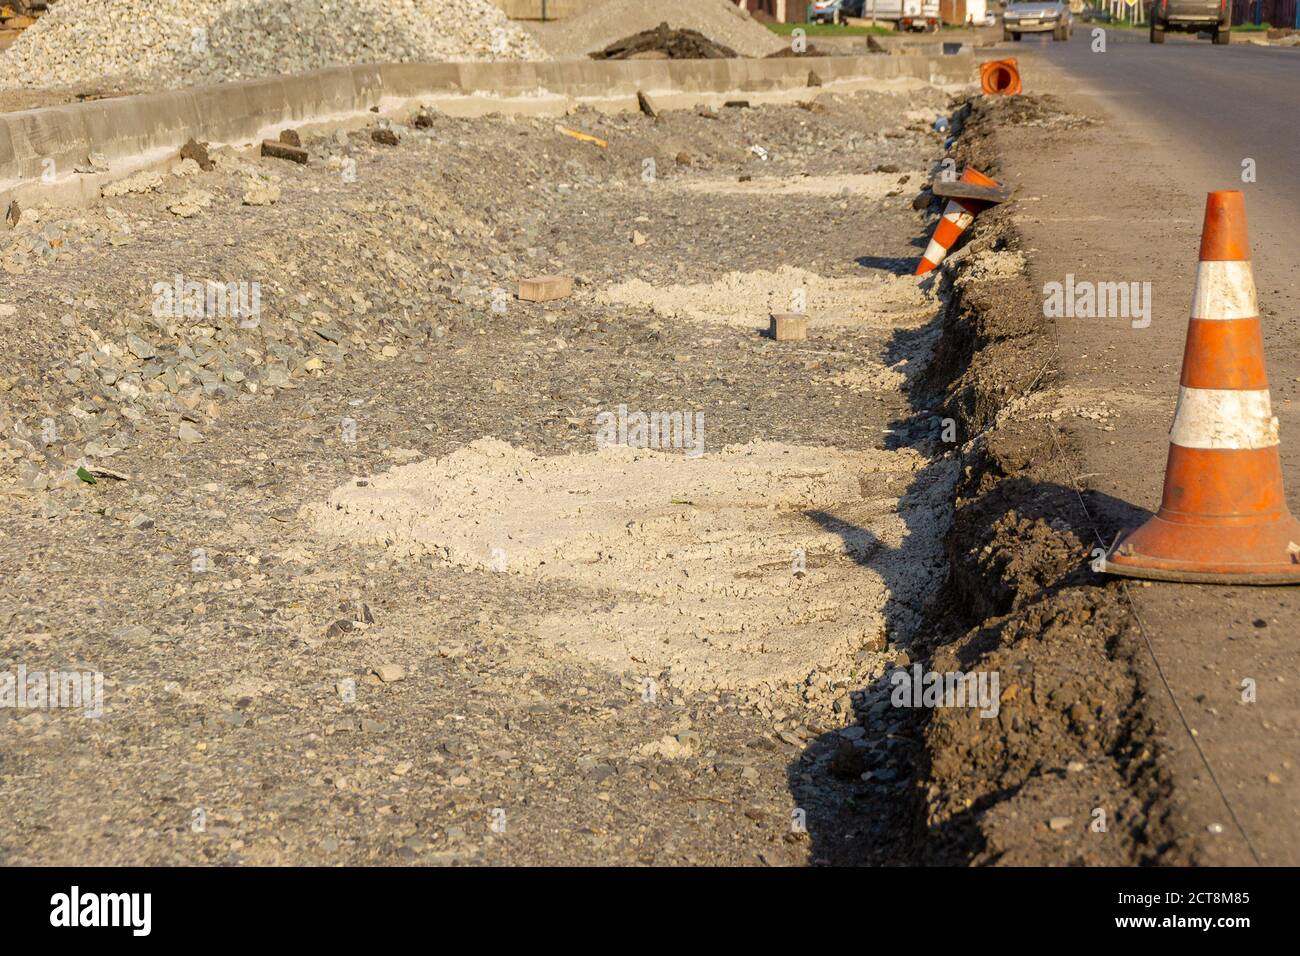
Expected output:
(1037, 16)
(834, 11)
(1192, 16)
(1095, 15)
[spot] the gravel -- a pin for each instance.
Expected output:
(186, 42)
(604, 23)
(247, 715)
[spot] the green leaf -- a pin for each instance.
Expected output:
(86, 476)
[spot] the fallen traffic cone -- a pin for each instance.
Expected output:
(1000, 77)
(957, 217)
(1223, 518)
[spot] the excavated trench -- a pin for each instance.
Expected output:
(1066, 773)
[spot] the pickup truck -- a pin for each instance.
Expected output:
(1192, 16)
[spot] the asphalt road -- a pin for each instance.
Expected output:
(1123, 199)
(1222, 103)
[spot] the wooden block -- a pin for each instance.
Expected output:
(647, 107)
(278, 150)
(788, 327)
(545, 288)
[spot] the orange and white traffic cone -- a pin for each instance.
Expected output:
(1223, 518)
(1001, 77)
(957, 217)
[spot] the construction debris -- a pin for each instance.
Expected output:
(788, 327)
(199, 153)
(581, 136)
(665, 43)
(279, 150)
(545, 288)
(608, 22)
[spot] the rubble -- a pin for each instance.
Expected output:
(663, 42)
(188, 42)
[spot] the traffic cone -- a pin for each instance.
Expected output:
(957, 217)
(1223, 518)
(1001, 77)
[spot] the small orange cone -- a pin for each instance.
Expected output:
(1223, 518)
(1001, 77)
(957, 217)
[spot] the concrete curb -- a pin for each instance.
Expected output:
(40, 148)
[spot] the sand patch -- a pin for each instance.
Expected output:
(881, 301)
(689, 562)
(911, 356)
(864, 185)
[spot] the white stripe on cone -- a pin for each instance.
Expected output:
(1224, 290)
(1224, 418)
(934, 253)
(957, 214)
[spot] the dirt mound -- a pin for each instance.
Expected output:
(665, 43)
(689, 561)
(187, 42)
(1066, 771)
(605, 23)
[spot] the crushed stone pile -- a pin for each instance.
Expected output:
(606, 23)
(163, 43)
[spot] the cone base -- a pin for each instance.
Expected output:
(1253, 554)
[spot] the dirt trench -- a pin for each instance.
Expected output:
(1067, 773)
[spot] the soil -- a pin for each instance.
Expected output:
(608, 21)
(277, 693)
(665, 43)
(366, 586)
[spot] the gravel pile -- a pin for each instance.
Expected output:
(187, 42)
(613, 20)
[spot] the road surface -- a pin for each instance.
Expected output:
(1122, 200)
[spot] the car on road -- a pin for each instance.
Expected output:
(1192, 16)
(834, 11)
(1037, 16)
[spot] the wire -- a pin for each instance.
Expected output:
(1160, 671)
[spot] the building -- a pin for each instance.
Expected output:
(779, 11)
(963, 11)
